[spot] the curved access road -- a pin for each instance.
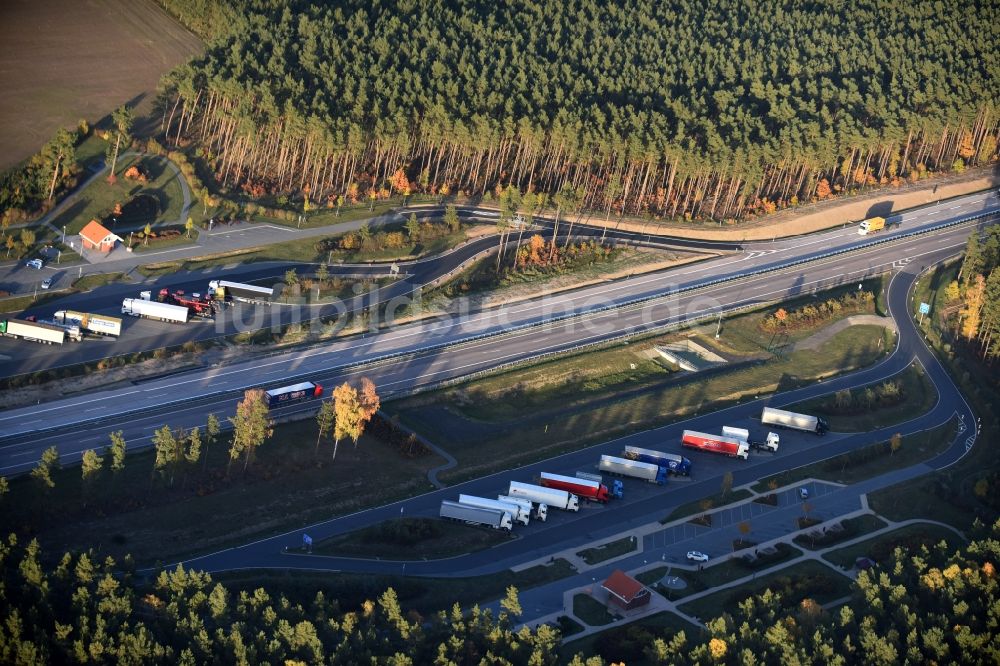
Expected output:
(402, 358)
(19, 357)
(646, 503)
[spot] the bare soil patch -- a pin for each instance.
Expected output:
(830, 213)
(63, 61)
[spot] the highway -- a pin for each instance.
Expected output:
(645, 503)
(427, 353)
(19, 357)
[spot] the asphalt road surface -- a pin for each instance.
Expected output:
(427, 353)
(20, 356)
(434, 352)
(644, 503)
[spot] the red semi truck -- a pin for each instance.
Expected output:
(585, 488)
(715, 444)
(196, 303)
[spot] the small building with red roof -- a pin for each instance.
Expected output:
(625, 592)
(95, 236)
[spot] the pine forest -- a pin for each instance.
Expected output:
(717, 110)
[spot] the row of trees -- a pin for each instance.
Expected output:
(812, 315)
(978, 287)
(718, 111)
(926, 605)
(344, 416)
(31, 187)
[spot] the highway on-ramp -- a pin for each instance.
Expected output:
(645, 503)
(429, 352)
(20, 357)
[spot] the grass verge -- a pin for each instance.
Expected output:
(16, 304)
(412, 539)
(806, 580)
(468, 423)
(869, 461)
(95, 280)
(849, 529)
(706, 504)
(305, 250)
(880, 548)
(718, 574)
(591, 611)
(97, 200)
(608, 551)
(866, 408)
(424, 595)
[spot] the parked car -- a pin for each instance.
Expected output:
(46, 283)
(34, 263)
(697, 556)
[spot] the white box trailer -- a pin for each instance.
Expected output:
(72, 328)
(785, 419)
(473, 515)
(224, 290)
(560, 499)
(540, 511)
(32, 331)
(138, 307)
(634, 468)
(516, 511)
(92, 323)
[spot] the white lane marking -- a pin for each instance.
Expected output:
(489, 318)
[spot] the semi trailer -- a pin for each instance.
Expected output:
(633, 468)
(285, 395)
(803, 422)
(769, 444)
(517, 512)
(72, 329)
(588, 489)
(674, 463)
(539, 511)
(33, 331)
(141, 307)
(553, 497)
(715, 444)
(224, 291)
(473, 515)
(92, 323)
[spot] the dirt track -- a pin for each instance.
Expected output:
(63, 60)
(830, 213)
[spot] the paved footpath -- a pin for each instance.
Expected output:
(589, 577)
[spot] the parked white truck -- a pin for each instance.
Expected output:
(559, 499)
(516, 511)
(33, 331)
(140, 307)
(92, 323)
(634, 468)
(473, 515)
(742, 434)
(538, 511)
(783, 419)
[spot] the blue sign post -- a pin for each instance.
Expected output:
(925, 308)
